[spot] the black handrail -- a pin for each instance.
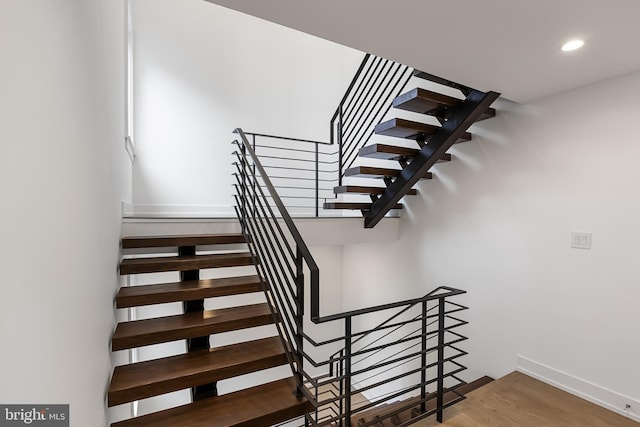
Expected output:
(364, 357)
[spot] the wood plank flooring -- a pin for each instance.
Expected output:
(518, 400)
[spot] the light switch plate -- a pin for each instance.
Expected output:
(581, 240)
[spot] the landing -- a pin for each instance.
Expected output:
(315, 231)
(519, 400)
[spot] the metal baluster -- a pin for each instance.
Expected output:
(347, 355)
(423, 360)
(340, 160)
(440, 359)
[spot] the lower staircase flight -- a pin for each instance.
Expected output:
(201, 367)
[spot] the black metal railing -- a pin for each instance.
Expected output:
(410, 354)
(364, 104)
(302, 171)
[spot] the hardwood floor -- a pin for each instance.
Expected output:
(518, 400)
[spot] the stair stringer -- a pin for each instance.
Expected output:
(470, 111)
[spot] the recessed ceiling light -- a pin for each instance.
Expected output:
(572, 45)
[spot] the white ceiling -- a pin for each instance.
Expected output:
(510, 46)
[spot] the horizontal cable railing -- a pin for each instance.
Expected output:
(302, 171)
(365, 103)
(410, 354)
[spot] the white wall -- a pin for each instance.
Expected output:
(496, 221)
(63, 174)
(201, 71)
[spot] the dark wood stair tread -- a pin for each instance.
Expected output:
(424, 101)
(263, 405)
(353, 205)
(392, 152)
(475, 384)
(409, 408)
(136, 242)
(184, 263)
(375, 172)
(403, 128)
(134, 296)
(190, 325)
(154, 377)
(361, 189)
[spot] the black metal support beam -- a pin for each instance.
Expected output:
(471, 109)
(199, 343)
(299, 335)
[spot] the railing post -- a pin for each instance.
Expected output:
(423, 360)
(340, 404)
(317, 180)
(340, 159)
(253, 172)
(347, 371)
(243, 164)
(440, 399)
(299, 319)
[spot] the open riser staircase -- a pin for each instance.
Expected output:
(201, 367)
(387, 171)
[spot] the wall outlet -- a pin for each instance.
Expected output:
(581, 240)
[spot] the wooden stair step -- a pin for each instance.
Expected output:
(136, 242)
(134, 296)
(353, 205)
(396, 420)
(403, 128)
(361, 189)
(190, 325)
(154, 377)
(392, 152)
(424, 101)
(412, 405)
(184, 263)
(264, 405)
(375, 172)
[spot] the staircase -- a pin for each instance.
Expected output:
(201, 367)
(409, 353)
(410, 164)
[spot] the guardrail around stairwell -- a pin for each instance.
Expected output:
(410, 354)
(303, 171)
(364, 104)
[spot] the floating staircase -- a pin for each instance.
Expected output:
(201, 367)
(453, 116)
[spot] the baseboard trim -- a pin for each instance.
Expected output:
(584, 389)
(177, 211)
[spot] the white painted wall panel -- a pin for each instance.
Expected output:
(202, 70)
